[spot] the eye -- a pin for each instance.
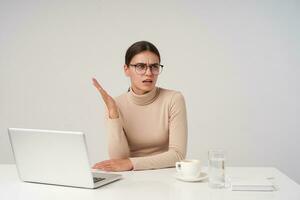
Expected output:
(141, 66)
(155, 66)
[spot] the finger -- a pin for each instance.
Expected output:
(100, 168)
(108, 168)
(111, 166)
(97, 165)
(108, 100)
(102, 163)
(103, 93)
(97, 85)
(105, 167)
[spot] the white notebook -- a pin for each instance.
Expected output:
(252, 184)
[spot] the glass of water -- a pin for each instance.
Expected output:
(216, 168)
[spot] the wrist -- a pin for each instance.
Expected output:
(130, 165)
(113, 114)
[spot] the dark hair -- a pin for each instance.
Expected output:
(139, 47)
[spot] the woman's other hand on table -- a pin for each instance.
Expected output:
(114, 165)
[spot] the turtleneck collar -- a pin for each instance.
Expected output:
(143, 99)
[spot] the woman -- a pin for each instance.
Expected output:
(147, 126)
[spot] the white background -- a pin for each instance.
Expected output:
(236, 62)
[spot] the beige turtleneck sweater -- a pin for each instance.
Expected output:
(151, 129)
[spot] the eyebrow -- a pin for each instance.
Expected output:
(146, 63)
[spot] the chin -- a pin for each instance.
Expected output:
(146, 89)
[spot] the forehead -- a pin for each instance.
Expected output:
(145, 57)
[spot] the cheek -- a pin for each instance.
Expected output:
(155, 78)
(135, 78)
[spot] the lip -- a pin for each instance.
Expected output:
(147, 80)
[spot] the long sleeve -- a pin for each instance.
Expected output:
(117, 142)
(177, 139)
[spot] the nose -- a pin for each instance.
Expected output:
(149, 71)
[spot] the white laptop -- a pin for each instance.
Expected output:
(55, 157)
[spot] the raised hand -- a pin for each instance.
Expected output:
(108, 100)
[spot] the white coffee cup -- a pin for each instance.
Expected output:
(189, 168)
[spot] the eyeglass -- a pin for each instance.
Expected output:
(141, 68)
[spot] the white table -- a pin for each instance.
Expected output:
(151, 184)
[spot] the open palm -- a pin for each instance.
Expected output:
(108, 100)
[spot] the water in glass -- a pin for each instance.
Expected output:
(216, 168)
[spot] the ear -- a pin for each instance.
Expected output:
(127, 70)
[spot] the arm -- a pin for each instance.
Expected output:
(118, 146)
(177, 139)
(117, 142)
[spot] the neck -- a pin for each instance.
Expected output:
(145, 98)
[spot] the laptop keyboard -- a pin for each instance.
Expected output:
(97, 179)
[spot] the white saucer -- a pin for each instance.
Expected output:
(202, 176)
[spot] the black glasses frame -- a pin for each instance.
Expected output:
(148, 66)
